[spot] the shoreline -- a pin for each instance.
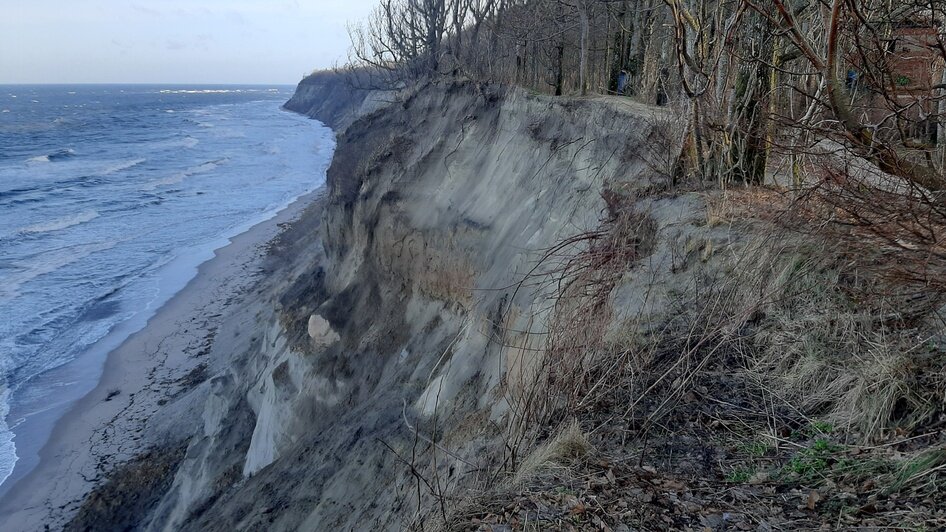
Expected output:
(105, 423)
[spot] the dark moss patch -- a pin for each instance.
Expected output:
(194, 377)
(129, 492)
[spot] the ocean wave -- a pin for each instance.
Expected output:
(206, 91)
(61, 223)
(176, 142)
(181, 176)
(118, 167)
(58, 155)
(48, 279)
(47, 262)
(8, 456)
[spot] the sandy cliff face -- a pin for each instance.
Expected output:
(393, 336)
(338, 99)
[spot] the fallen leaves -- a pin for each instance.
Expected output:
(813, 499)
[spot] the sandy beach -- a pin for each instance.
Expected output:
(154, 366)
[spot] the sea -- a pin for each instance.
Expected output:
(110, 197)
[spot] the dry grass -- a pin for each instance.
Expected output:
(568, 445)
(826, 356)
(582, 314)
(741, 204)
(779, 331)
(781, 309)
(830, 334)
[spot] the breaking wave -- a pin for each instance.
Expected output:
(61, 223)
(44, 263)
(118, 167)
(55, 156)
(181, 176)
(8, 456)
(214, 91)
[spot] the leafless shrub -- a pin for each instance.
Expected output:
(582, 312)
(664, 151)
(781, 311)
(891, 228)
(584, 269)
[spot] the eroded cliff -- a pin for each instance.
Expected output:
(485, 264)
(399, 339)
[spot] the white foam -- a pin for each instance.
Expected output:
(205, 91)
(8, 456)
(125, 165)
(181, 176)
(46, 263)
(175, 142)
(68, 152)
(61, 223)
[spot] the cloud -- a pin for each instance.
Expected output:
(221, 41)
(147, 10)
(200, 42)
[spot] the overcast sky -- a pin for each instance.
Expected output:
(172, 41)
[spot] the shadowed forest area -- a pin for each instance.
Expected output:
(763, 82)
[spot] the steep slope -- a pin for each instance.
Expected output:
(503, 303)
(437, 206)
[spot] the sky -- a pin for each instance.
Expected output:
(173, 41)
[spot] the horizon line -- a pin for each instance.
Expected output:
(222, 84)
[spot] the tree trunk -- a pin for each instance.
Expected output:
(560, 71)
(941, 123)
(583, 48)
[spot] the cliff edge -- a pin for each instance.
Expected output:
(486, 321)
(437, 206)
